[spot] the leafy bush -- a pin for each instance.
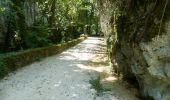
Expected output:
(3, 69)
(38, 37)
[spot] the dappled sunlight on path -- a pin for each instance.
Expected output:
(66, 76)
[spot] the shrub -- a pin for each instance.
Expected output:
(38, 37)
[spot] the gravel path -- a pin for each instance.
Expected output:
(63, 77)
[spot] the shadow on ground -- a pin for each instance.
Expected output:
(66, 77)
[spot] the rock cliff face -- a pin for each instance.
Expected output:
(106, 11)
(10, 21)
(142, 47)
(156, 79)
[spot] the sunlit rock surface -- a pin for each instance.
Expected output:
(148, 62)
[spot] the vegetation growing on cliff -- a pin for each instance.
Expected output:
(142, 20)
(137, 37)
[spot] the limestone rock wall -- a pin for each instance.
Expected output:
(157, 55)
(149, 62)
(141, 52)
(106, 11)
(9, 22)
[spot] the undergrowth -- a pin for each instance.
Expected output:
(96, 84)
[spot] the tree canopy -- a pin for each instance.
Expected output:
(37, 23)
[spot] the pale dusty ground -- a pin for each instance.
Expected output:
(65, 77)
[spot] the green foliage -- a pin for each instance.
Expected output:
(38, 23)
(3, 69)
(96, 84)
(38, 37)
(2, 9)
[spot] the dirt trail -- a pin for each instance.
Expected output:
(65, 77)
